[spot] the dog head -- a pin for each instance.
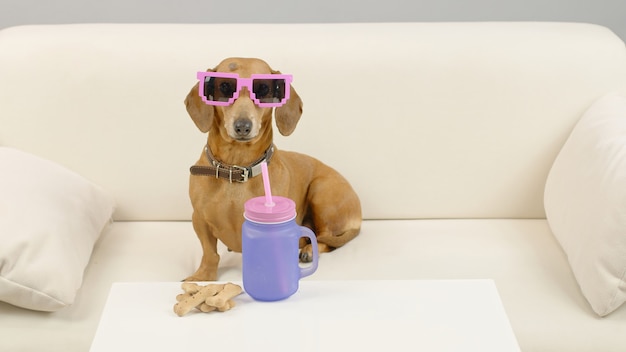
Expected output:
(243, 120)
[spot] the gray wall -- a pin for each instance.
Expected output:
(610, 13)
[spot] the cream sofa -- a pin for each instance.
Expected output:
(449, 133)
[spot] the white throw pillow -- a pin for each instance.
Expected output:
(585, 202)
(50, 219)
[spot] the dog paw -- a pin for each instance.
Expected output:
(306, 254)
(194, 278)
(201, 276)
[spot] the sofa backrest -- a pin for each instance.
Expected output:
(426, 120)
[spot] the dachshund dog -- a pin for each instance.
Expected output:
(235, 104)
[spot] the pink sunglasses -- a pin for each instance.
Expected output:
(222, 89)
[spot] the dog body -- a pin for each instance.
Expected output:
(241, 134)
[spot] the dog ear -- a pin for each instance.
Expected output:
(201, 113)
(288, 115)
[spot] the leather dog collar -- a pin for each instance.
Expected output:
(231, 172)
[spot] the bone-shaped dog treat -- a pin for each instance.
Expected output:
(206, 298)
(222, 297)
(190, 287)
(228, 305)
(207, 308)
(188, 303)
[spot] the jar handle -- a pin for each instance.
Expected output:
(310, 269)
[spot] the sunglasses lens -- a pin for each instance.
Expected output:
(269, 91)
(219, 89)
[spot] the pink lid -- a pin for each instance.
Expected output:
(284, 209)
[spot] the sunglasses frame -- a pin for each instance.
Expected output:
(243, 82)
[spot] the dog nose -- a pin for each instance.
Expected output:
(243, 126)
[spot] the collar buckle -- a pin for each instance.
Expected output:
(245, 173)
(231, 173)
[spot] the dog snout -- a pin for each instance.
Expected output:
(243, 126)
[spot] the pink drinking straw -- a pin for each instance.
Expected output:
(266, 185)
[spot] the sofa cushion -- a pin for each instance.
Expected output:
(585, 201)
(50, 219)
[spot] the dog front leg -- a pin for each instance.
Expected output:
(210, 259)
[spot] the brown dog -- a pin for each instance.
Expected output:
(241, 134)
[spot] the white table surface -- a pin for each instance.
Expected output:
(411, 315)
